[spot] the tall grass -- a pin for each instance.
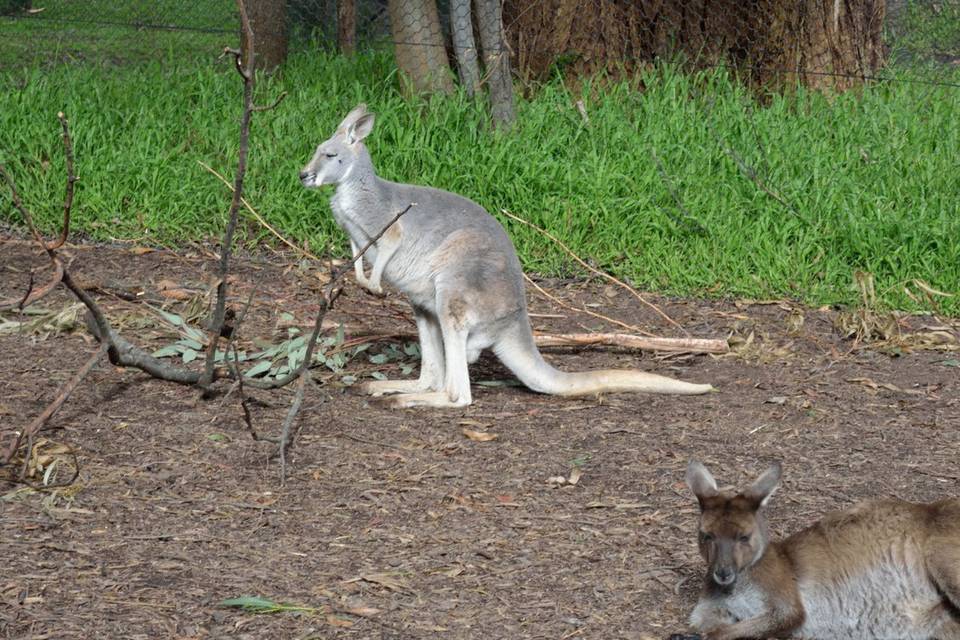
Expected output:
(869, 178)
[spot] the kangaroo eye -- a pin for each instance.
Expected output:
(744, 539)
(706, 537)
(330, 155)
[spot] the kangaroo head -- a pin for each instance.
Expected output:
(336, 157)
(733, 531)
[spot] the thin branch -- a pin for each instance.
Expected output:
(596, 271)
(285, 438)
(120, 351)
(249, 80)
(71, 178)
(331, 293)
(32, 294)
(276, 103)
(259, 218)
(600, 316)
(61, 397)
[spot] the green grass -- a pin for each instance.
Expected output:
(104, 31)
(870, 177)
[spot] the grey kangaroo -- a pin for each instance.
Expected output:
(459, 270)
(882, 570)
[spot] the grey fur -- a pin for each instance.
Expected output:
(457, 266)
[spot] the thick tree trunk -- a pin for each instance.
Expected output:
(464, 45)
(828, 44)
(347, 26)
(421, 54)
(268, 18)
(496, 61)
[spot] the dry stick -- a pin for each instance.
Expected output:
(260, 219)
(330, 296)
(596, 271)
(560, 303)
(285, 439)
(33, 294)
(235, 367)
(246, 71)
(62, 395)
(71, 178)
(623, 340)
(120, 352)
(692, 345)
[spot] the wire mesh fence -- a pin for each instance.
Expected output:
(820, 43)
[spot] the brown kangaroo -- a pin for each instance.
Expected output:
(883, 570)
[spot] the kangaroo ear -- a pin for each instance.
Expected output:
(763, 487)
(700, 481)
(351, 118)
(361, 128)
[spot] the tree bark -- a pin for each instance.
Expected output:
(464, 45)
(418, 41)
(269, 21)
(347, 26)
(823, 44)
(496, 61)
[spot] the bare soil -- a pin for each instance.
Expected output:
(394, 524)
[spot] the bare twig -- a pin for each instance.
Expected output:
(330, 296)
(61, 397)
(276, 103)
(249, 79)
(557, 301)
(259, 218)
(594, 270)
(286, 440)
(71, 178)
(32, 294)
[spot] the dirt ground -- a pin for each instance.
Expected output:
(393, 523)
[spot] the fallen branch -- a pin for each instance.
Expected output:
(596, 271)
(34, 427)
(687, 345)
(547, 340)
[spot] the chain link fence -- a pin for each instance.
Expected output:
(820, 43)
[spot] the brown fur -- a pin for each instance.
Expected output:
(882, 569)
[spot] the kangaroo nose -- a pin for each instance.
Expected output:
(724, 576)
(304, 174)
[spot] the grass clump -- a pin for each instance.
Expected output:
(865, 181)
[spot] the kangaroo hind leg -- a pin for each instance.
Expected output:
(431, 361)
(456, 376)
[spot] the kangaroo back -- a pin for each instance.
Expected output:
(883, 569)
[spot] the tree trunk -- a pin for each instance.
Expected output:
(347, 26)
(13, 7)
(824, 44)
(496, 61)
(421, 55)
(464, 45)
(268, 18)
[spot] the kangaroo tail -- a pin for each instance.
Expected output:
(517, 350)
